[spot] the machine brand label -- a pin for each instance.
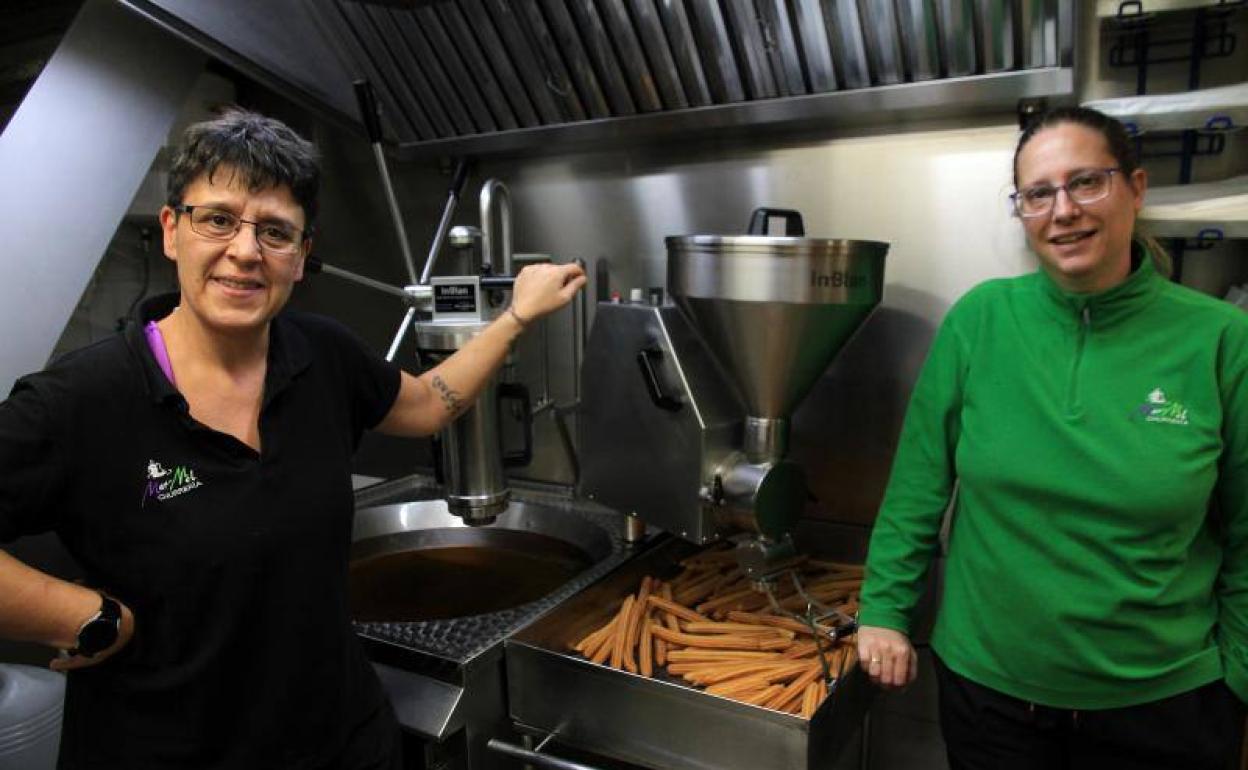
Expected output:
(836, 280)
(455, 298)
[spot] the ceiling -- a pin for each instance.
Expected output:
(30, 31)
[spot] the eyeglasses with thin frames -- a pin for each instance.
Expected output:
(1087, 186)
(275, 239)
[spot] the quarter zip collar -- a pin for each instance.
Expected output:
(1106, 308)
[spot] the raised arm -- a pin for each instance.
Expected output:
(427, 403)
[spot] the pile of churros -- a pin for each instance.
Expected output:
(710, 627)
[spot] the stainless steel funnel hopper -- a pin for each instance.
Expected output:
(774, 312)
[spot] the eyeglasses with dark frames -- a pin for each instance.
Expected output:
(1087, 186)
(275, 238)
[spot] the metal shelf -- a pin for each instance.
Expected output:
(1207, 211)
(1119, 9)
(1209, 109)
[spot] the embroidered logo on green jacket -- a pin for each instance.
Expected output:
(1158, 408)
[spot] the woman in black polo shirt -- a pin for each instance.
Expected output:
(198, 468)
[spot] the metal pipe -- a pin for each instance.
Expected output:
(372, 126)
(398, 336)
(317, 266)
(545, 360)
(494, 193)
(395, 214)
(444, 224)
(539, 760)
(579, 311)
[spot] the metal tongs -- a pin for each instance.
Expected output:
(816, 618)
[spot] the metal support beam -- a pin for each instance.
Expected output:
(71, 160)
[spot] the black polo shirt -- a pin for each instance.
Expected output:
(234, 562)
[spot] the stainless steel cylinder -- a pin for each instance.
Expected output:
(766, 439)
(476, 487)
(766, 498)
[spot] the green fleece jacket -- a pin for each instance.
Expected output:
(1098, 555)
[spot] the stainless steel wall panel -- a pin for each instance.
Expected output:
(684, 51)
(662, 65)
(411, 89)
(455, 34)
(812, 30)
(478, 26)
(994, 34)
(600, 52)
(711, 34)
(499, 15)
(849, 50)
(577, 61)
(1037, 21)
(920, 41)
(879, 31)
(628, 49)
(781, 46)
(72, 157)
(760, 82)
(423, 24)
(957, 33)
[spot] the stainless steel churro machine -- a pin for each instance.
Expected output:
(686, 405)
(685, 424)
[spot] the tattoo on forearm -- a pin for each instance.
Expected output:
(450, 396)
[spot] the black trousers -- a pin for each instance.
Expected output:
(987, 730)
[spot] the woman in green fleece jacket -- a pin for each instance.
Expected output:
(1093, 417)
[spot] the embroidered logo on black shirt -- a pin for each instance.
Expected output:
(166, 483)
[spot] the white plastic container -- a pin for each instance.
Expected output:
(30, 717)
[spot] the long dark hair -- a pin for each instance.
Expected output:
(1120, 146)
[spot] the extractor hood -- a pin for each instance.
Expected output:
(463, 77)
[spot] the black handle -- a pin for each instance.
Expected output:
(761, 218)
(661, 400)
(368, 109)
(459, 177)
(514, 391)
(439, 471)
(497, 281)
(312, 264)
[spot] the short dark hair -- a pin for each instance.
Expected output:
(265, 152)
(1116, 136)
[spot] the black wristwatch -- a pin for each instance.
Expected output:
(100, 631)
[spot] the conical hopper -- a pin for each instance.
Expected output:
(774, 311)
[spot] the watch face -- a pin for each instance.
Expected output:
(97, 636)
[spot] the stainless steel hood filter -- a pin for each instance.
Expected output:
(452, 69)
(465, 76)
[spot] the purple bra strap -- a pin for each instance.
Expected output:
(157, 344)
